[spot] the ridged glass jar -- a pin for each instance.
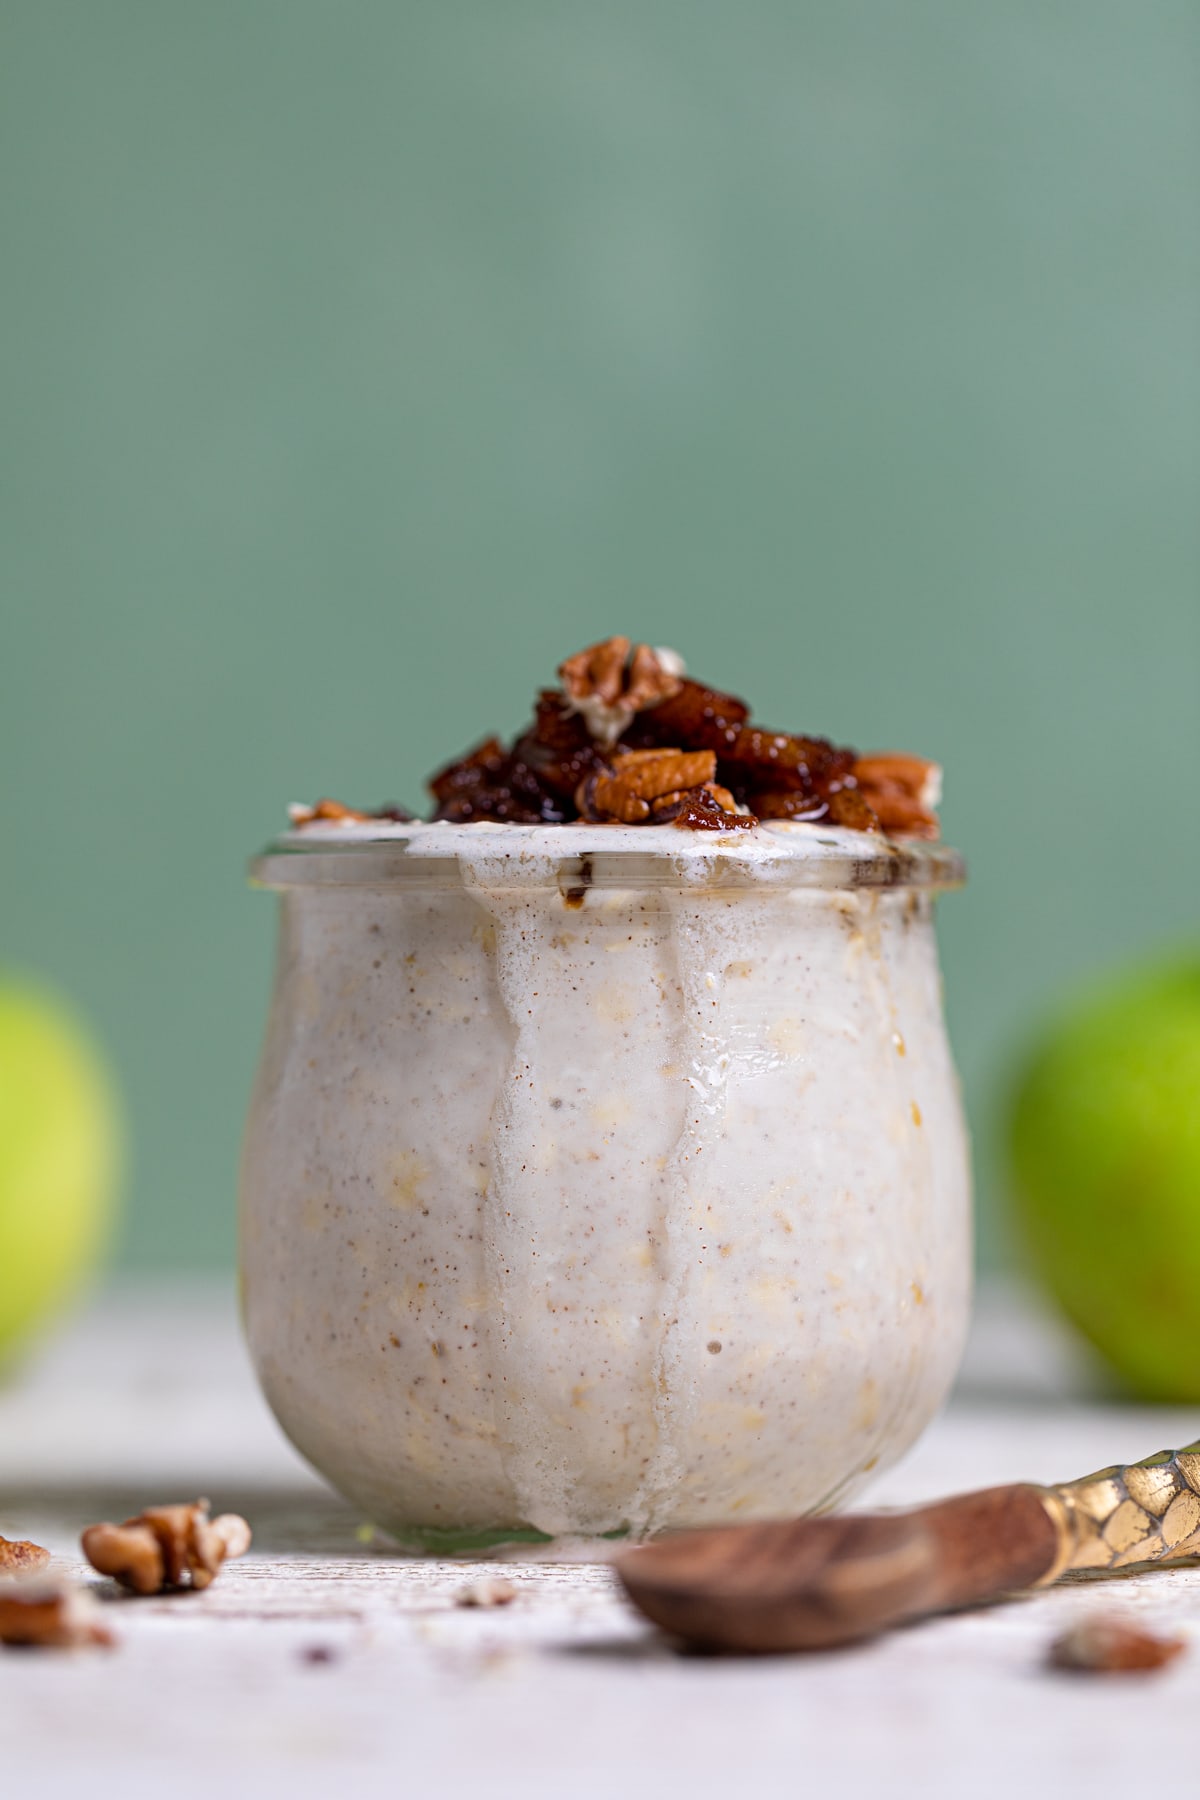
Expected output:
(603, 1180)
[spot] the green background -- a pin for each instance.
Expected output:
(361, 360)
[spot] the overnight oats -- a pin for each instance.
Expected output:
(606, 1171)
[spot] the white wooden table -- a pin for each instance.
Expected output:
(326, 1665)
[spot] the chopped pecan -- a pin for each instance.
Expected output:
(902, 790)
(602, 800)
(608, 687)
(654, 676)
(49, 1613)
(331, 811)
(650, 773)
(17, 1555)
(848, 807)
(597, 672)
(623, 794)
(901, 817)
(1112, 1646)
(335, 813)
(166, 1547)
(915, 775)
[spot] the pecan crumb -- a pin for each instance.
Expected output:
(328, 811)
(18, 1555)
(624, 792)
(490, 1590)
(164, 1547)
(1112, 1646)
(45, 1612)
(609, 687)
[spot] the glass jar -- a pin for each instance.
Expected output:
(603, 1180)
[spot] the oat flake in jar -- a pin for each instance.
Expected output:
(602, 1177)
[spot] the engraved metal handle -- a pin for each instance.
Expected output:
(1141, 1513)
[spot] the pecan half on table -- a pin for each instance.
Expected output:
(47, 1612)
(166, 1547)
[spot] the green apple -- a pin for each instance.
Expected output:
(59, 1151)
(1105, 1156)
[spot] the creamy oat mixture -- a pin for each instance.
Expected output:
(590, 1201)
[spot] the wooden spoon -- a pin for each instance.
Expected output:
(810, 1584)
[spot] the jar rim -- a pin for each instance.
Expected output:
(781, 854)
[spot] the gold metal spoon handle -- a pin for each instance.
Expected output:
(1141, 1513)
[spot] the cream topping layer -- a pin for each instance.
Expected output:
(484, 841)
